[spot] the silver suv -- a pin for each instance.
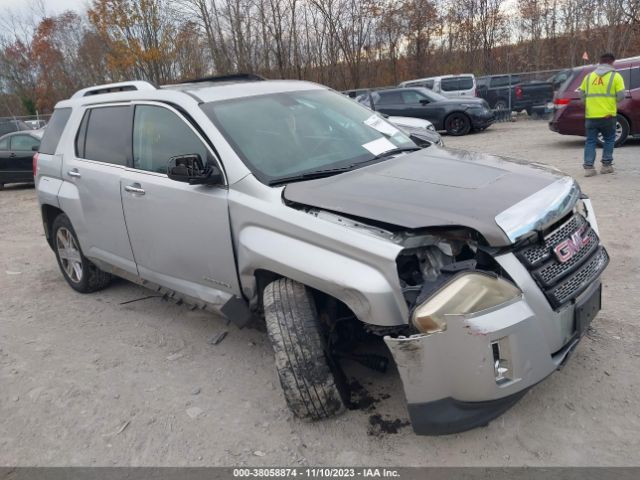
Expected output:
(288, 202)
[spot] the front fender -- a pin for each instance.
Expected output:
(362, 287)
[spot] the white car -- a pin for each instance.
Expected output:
(452, 86)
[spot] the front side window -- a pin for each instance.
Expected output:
(24, 143)
(158, 135)
(287, 134)
(412, 97)
(108, 131)
(635, 79)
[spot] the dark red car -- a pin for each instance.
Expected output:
(568, 117)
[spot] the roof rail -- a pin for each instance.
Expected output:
(234, 77)
(113, 87)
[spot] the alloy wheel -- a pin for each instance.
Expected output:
(69, 254)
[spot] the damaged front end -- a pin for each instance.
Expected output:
(478, 341)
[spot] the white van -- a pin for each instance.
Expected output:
(452, 86)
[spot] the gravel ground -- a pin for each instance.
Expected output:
(89, 380)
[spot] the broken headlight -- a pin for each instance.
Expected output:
(468, 293)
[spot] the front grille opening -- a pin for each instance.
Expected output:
(563, 281)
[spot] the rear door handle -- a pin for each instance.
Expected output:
(12, 154)
(135, 188)
(74, 173)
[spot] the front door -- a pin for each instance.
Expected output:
(179, 233)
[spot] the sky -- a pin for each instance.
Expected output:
(52, 7)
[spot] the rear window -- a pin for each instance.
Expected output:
(54, 130)
(108, 131)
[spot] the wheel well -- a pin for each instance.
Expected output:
(49, 214)
(628, 121)
(324, 301)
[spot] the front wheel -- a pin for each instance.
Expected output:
(457, 124)
(79, 272)
(296, 335)
(622, 132)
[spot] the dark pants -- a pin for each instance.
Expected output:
(594, 126)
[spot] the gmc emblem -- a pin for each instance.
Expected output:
(572, 245)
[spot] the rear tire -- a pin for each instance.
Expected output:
(79, 272)
(296, 335)
(622, 132)
(501, 105)
(457, 124)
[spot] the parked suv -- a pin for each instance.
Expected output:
(288, 203)
(451, 86)
(568, 118)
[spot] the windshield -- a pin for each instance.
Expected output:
(282, 135)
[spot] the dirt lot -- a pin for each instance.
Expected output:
(88, 380)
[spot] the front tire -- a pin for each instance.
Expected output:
(296, 335)
(457, 124)
(79, 272)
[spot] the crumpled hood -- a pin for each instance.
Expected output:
(603, 69)
(428, 188)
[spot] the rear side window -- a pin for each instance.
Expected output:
(108, 133)
(54, 130)
(459, 83)
(390, 98)
(626, 76)
(4, 144)
(23, 142)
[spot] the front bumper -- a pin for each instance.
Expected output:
(482, 119)
(451, 379)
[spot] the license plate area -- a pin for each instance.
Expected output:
(587, 309)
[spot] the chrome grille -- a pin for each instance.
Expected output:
(564, 281)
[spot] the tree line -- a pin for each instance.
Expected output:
(341, 43)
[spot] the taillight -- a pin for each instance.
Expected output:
(518, 91)
(561, 102)
(35, 163)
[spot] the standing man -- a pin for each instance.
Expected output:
(601, 91)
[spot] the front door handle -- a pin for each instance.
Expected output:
(135, 188)
(12, 154)
(74, 173)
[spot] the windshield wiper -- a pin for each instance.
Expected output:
(395, 151)
(327, 172)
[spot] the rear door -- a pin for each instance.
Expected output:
(102, 151)
(5, 159)
(180, 233)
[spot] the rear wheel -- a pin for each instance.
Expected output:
(501, 105)
(622, 132)
(301, 358)
(79, 272)
(457, 124)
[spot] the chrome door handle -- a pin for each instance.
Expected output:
(74, 173)
(135, 188)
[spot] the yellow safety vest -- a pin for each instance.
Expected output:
(600, 94)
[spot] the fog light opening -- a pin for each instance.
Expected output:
(502, 360)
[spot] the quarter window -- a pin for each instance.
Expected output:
(54, 130)
(24, 142)
(108, 134)
(158, 135)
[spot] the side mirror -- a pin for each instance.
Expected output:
(189, 169)
(35, 148)
(424, 101)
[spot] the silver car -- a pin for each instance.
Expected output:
(288, 203)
